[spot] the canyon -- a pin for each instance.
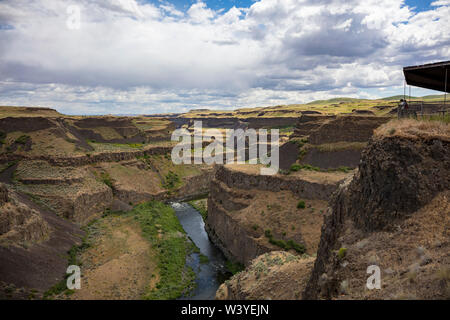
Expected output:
(348, 185)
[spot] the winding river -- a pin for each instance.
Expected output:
(212, 274)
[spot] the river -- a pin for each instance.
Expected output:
(212, 274)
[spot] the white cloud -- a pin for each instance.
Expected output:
(200, 13)
(440, 3)
(151, 57)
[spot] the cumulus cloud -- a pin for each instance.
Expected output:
(152, 57)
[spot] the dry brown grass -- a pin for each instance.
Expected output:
(119, 264)
(341, 145)
(275, 275)
(413, 129)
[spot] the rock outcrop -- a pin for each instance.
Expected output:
(248, 213)
(346, 128)
(277, 275)
(19, 224)
(233, 122)
(332, 141)
(33, 246)
(394, 214)
(71, 192)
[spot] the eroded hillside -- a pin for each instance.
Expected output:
(394, 214)
(61, 173)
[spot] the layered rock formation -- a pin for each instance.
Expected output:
(346, 128)
(394, 214)
(277, 275)
(248, 212)
(331, 141)
(70, 192)
(234, 122)
(33, 246)
(19, 223)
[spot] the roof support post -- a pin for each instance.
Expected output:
(445, 89)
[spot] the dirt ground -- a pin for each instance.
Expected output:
(414, 257)
(119, 264)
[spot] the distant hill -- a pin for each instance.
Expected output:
(429, 97)
(336, 100)
(7, 111)
(398, 97)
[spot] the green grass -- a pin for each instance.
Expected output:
(309, 167)
(286, 245)
(341, 169)
(284, 129)
(342, 253)
(445, 118)
(297, 167)
(234, 267)
(131, 145)
(176, 279)
(301, 204)
(106, 179)
(171, 180)
(200, 207)
(22, 139)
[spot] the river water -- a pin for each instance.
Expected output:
(212, 274)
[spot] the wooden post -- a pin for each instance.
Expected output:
(445, 89)
(404, 89)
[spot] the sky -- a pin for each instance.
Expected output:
(159, 56)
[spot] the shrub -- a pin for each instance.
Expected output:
(234, 267)
(295, 167)
(286, 245)
(22, 139)
(171, 180)
(342, 253)
(296, 246)
(301, 153)
(344, 169)
(106, 179)
(200, 207)
(301, 204)
(310, 167)
(279, 243)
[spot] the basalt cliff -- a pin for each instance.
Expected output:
(391, 215)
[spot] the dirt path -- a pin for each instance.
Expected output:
(119, 264)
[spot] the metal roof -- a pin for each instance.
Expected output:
(429, 76)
